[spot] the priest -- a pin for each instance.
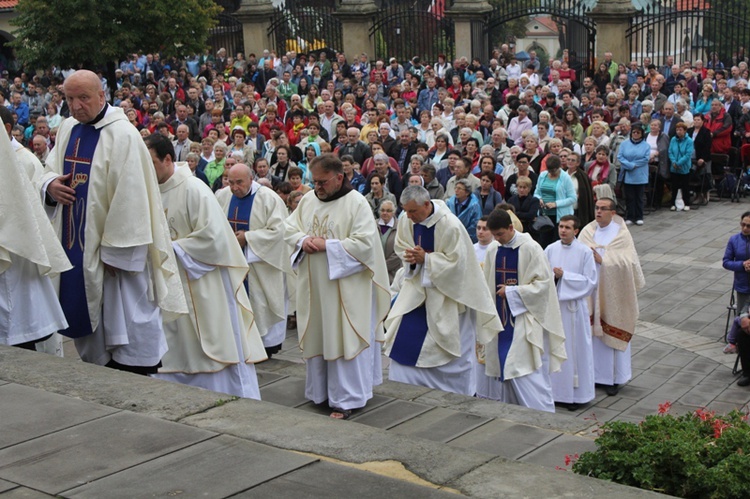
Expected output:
(33, 168)
(213, 347)
(342, 289)
(614, 304)
(431, 329)
(30, 255)
(256, 215)
(519, 359)
(101, 191)
(574, 269)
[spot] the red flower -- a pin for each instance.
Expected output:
(705, 415)
(719, 427)
(664, 408)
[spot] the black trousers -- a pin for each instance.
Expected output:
(743, 347)
(682, 182)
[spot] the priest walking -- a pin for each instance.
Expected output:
(342, 289)
(519, 360)
(574, 269)
(614, 308)
(256, 215)
(431, 336)
(215, 345)
(102, 193)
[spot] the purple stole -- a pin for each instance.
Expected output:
(78, 156)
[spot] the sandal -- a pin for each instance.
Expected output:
(340, 413)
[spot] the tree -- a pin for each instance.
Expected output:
(94, 33)
(514, 27)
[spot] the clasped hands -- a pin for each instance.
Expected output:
(313, 245)
(414, 256)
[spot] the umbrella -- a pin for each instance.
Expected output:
(523, 56)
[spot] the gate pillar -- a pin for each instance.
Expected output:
(356, 18)
(255, 16)
(463, 12)
(612, 19)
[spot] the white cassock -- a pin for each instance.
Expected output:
(614, 304)
(268, 256)
(574, 383)
(29, 254)
(342, 298)
(124, 227)
(214, 347)
(520, 358)
(431, 329)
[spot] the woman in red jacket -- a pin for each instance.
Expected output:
(719, 123)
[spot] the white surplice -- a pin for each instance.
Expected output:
(574, 383)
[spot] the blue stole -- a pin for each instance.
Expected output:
(78, 156)
(506, 272)
(413, 329)
(239, 212)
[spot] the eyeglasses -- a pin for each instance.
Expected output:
(745, 226)
(321, 183)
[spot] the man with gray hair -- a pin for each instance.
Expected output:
(354, 147)
(431, 329)
(256, 215)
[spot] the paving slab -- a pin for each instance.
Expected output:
(266, 377)
(400, 391)
(505, 439)
(24, 493)
(553, 453)
(150, 396)
(440, 425)
(6, 485)
(503, 478)
(391, 414)
(289, 392)
(343, 440)
(27, 413)
(219, 467)
(91, 450)
(334, 481)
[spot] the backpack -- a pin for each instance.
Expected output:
(727, 185)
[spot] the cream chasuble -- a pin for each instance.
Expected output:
(336, 313)
(204, 341)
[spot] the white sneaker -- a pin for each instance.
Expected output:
(687, 208)
(673, 208)
(628, 222)
(639, 222)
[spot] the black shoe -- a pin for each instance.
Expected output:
(573, 407)
(612, 390)
(744, 381)
(272, 350)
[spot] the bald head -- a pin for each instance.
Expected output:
(240, 179)
(84, 94)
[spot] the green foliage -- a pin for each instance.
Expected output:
(515, 27)
(93, 32)
(696, 455)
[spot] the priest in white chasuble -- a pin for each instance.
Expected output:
(431, 330)
(573, 266)
(30, 254)
(519, 359)
(215, 346)
(101, 191)
(342, 289)
(31, 303)
(256, 215)
(614, 304)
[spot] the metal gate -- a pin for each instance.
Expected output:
(227, 34)
(577, 31)
(691, 30)
(306, 26)
(404, 29)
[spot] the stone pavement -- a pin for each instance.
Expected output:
(448, 443)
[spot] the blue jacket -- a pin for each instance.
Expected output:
(424, 102)
(738, 250)
(565, 193)
(681, 155)
(470, 216)
(493, 200)
(633, 160)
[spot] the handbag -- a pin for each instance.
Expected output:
(542, 224)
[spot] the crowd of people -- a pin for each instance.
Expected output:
(433, 208)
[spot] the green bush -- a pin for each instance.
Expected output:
(698, 455)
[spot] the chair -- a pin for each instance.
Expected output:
(719, 169)
(731, 314)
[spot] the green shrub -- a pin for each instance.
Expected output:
(698, 455)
